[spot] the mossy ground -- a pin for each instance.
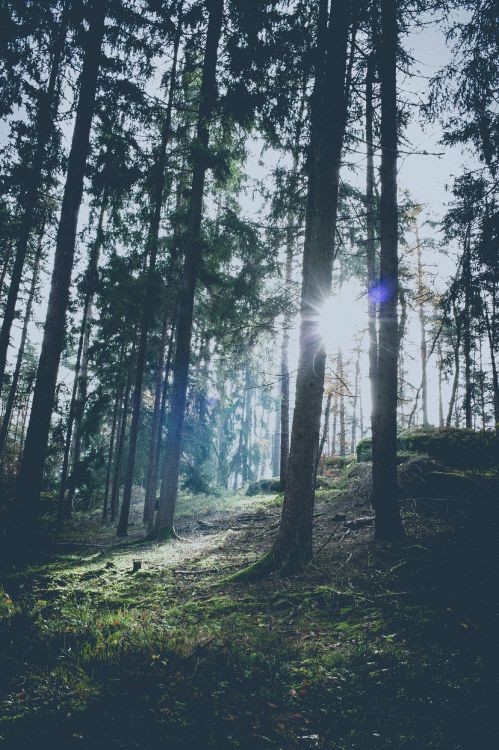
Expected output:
(370, 647)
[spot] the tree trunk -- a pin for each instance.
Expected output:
(388, 525)
(440, 400)
(164, 519)
(115, 493)
(284, 442)
(468, 400)
(353, 443)
(45, 115)
(495, 375)
(9, 406)
(341, 378)
(371, 239)
(31, 471)
(117, 402)
(422, 323)
(152, 467)
(276, 443)
(157, 199)
(293, 546)
(455, 382)
(79, 391)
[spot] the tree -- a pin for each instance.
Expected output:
(157, 199)
(163, 525)
(388, 525)
(31, 470)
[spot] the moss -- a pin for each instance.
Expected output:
(462, 449)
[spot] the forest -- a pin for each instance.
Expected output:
(249, 374)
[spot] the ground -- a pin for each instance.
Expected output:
(371, 646)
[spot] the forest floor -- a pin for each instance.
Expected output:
(372, 646)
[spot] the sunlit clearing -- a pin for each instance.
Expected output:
(342, 318)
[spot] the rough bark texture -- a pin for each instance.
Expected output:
(371, 240)
(46, 108)
(455, 382)
(284, 441)
(422, 324)
(495, 374)
(115, 492)
(152, 467)
(169, 488)
(468, 395)
(388, 525)
(112, 440)
(293, 546)
(31, 471)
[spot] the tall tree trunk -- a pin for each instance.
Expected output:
(152, 468)
(169, 488)
(284, 442)
(79, 391)
(45, 114)
(422, 321)
(276, 441)
(455, 382)
(115, 492)
(440, 399)
(371, 238)
(388, 525)
(468, 400)
(293, 546)
(482, 388)
(334, 430)
(31, 470)
(355, 402)
(11, 398)
(157, 199)
(495, 375)
(341, 378)
(117, 401)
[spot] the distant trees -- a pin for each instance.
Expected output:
(173, 300)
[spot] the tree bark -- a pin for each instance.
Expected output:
(495, 374)
(31, 470)
(152, 466)
(115, 493)
(388, 525)
(468, 397)
(422, 323)
(45, 114)
(284, 442)
(293, 546)
(455, 382)
(169, 488)
(117, 401)
(371, 240)
(157, 199)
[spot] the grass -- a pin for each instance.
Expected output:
(371, 646)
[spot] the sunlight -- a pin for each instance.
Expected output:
(342, 318)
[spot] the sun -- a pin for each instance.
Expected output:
(342, 318)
